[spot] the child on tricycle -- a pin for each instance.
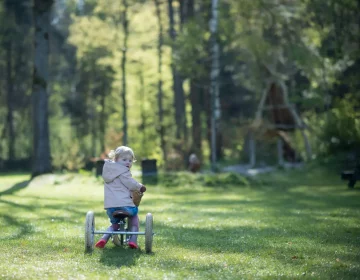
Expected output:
(119, 189)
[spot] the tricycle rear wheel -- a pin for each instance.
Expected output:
(89, 231)
(148, 233)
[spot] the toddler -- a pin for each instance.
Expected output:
(118, 187)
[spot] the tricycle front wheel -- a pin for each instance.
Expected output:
(116, 240)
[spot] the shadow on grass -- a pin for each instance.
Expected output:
(14, 214)
(38, 204)
(17, 205)
(22, 228)
(119, 256)
(15, 188)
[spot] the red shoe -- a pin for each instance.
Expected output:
(101, 243)
(133, 245)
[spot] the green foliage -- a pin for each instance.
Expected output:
(341, 130)
(258, 40)
(98, 39)
(335, 133)
(192, 53)
(186, 179)
(225, 180)
(67, 154)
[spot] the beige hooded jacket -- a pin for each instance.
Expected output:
(118, 185)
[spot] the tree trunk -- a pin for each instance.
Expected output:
(207, 110)
(214, 81)
(179, 100)
(93, 116)
(252, 149)
(125, 24)
(103, 118)
(182, 12)
(358, 5)
(186, 10)
(93, 130)
(189, 9)
(195, 94)
(160, 93)
(186, 14)
(142, 112)
(10, 103)
(41, 144)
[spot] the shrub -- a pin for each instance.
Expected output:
(211, 180)
(341, 130)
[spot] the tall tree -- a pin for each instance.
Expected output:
(179, 96)
(214, 79)
(41, 144)
(102, 120)
(125, 25)
(143, 123)
(195, 100)
(93, 111)
(14, 36)
(160, 91)
(10, 93)
(186, 18)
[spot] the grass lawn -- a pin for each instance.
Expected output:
(298, 225)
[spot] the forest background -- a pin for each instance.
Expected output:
(140, 73)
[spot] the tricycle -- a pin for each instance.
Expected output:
(121, 236)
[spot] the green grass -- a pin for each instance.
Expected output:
(298, 225)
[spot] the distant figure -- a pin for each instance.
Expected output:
(194, 163)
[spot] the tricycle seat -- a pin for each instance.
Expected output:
(120, 214)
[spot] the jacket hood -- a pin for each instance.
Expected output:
(111, 170)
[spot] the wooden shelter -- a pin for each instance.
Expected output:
(276, 117)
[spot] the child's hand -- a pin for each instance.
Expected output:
(143, 189)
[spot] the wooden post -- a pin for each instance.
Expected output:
(307, 144)
(260, 109)
(297, 119)
(280, 151)
(252, 148)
